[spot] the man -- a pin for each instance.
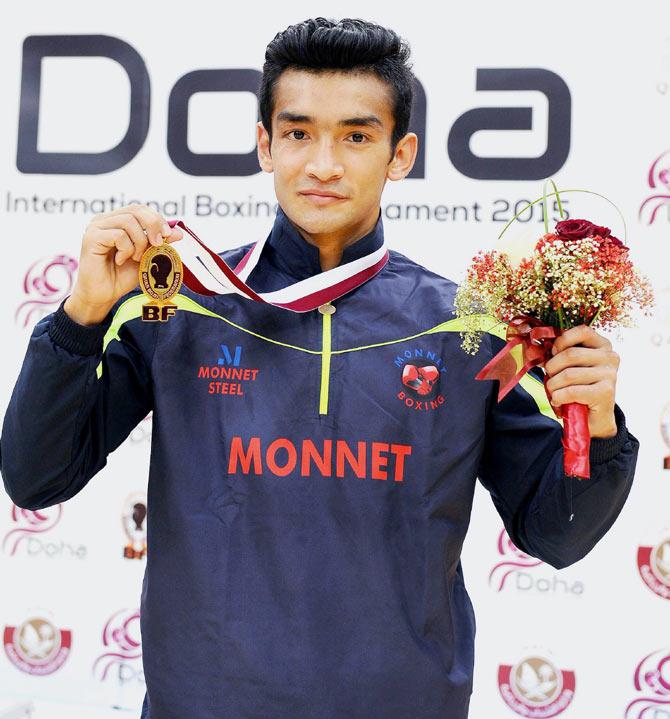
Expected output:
(306, 514)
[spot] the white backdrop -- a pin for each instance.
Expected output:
(601, 624)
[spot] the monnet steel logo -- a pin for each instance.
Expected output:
(535, 687)
(47, 283)
(121, 659)
(654, 566)
(228, 376)
(652, 682)
(37, 646)
(518, 571)
(658, 179)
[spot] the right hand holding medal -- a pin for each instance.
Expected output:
(112, 247)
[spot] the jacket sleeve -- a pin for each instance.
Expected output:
(522, 468)
(72, 404)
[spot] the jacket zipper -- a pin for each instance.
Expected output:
(326, 311)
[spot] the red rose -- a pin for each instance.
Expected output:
(616, 241)
(602, 231)
(579, 229)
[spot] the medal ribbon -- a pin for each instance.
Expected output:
(208, 274)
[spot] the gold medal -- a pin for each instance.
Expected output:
(161, 274)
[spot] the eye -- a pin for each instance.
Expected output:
(359, 134)
(292, 131)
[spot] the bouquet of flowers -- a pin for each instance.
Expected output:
(578, 274)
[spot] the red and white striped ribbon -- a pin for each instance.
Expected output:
(208, 274)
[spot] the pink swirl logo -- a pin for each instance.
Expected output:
(514, 559)
(652, 681)
(122, 635)
(142, 432)
(47, 283)
(658, 179)
(30, 523)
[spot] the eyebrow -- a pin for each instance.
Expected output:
(365, 121)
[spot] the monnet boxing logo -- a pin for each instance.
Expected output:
(121, 658)
(518, 571)
(654, 566)
(652, 682)
(26, 537)
(228, 376)
(47, 283)
(37, 646)
(420, 374)
(658, 179)
(133, 519)
(535, 687)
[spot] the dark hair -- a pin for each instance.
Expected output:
(350, 45)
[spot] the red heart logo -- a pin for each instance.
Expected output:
(420, 379)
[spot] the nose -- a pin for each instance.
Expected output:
(323, 162)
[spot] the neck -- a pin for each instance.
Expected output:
(332, 244)
(330, 254)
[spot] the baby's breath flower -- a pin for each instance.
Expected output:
(563, 282)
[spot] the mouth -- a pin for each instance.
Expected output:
(321, 199)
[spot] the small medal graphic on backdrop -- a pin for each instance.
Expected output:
(161, 275)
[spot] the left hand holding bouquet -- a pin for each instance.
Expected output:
(550, 294)
(585, 374)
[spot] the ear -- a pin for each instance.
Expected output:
(405, 155)
(263, 148)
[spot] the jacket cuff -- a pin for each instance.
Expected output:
(602, 449)
(78, 339)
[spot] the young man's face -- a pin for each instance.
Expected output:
(340, 145)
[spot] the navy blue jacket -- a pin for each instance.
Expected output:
(310, 486)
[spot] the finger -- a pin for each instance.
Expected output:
(117, 238)
(167, 232)
(150, 220)
(176, 233)
(175, 236)
(582, 334)
(592, 395)
(583, 356)
(580, 375)
(131, 225)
